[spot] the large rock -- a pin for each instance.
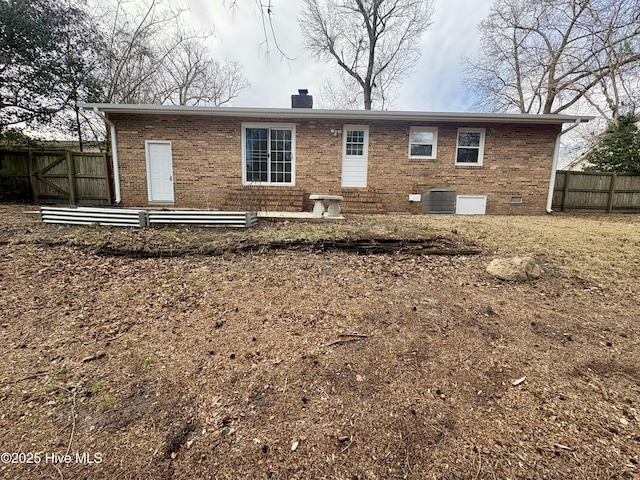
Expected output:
(516, 269)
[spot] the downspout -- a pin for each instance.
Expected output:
(554, 168)
(114, 152)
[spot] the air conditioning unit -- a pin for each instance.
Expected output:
(439, 200)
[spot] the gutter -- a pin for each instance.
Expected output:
(114, 153)
(320, 114)
(554, 168)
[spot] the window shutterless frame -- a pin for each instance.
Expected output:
(423, 143)
(470, 147)
(268, 154)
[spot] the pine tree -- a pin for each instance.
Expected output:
(619, 148)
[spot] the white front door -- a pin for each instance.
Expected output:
(159, 171)
(355, 151)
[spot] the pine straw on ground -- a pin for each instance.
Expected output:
(290, 364)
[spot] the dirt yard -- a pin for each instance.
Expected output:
(270, 353)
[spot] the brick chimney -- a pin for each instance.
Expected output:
(302, 100)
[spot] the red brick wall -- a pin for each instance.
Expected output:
(207, 164)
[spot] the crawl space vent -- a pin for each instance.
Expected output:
(438, 200)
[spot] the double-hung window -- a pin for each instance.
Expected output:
(423, 142)
(268, 154)
(470, 147)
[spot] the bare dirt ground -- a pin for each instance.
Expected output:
(210, 353)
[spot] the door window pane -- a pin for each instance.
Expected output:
(257, 154)
(355, 143)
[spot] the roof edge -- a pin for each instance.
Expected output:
(302, 113)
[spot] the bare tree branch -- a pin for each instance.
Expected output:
(267, 13)
(374, 42)
(192, 77)
(546, 56)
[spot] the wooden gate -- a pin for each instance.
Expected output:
(62, 176)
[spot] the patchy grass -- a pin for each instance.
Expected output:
(302, 364)
(602, 248)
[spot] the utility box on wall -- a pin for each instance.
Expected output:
(439, 200)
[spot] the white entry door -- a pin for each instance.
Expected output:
(159, 171)
(355, 151)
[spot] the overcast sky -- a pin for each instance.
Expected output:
(435, 85)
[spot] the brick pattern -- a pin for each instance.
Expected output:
(207, 165)
(357, 200)
(264, 199)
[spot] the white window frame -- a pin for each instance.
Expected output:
(365, 140)
(434, 150)
(483, 133)
(270, 126)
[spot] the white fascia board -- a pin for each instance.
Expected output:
(350, 115)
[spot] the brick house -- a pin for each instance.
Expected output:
(224, 158)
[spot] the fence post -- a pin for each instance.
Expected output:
(107, 179)
(32, 176)
(143, 218)
(612, 192)
(565, 190)
(72, 178)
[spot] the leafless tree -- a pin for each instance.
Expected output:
(191, 77)
(546, 56)
(152, 58)
(137, 46)
(345, 94)
(618, 90)
(374, 42)
(267, 13)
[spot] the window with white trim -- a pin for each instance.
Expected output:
(423, 142)
(470, 146)
(268, 154)
(354, 143)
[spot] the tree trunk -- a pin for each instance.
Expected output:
(79, 127)
(367, 97)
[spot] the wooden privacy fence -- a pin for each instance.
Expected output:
(54, 177)
(596, 191)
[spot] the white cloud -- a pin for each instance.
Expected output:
(434, 86)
